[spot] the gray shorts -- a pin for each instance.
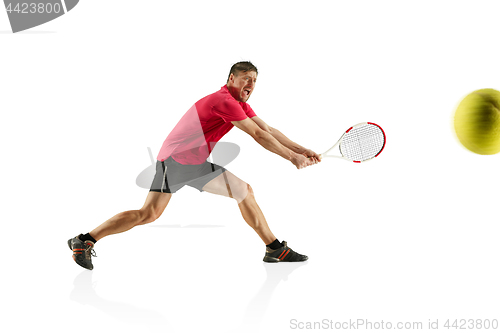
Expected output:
(171, 176)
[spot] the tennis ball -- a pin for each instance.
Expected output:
(477, 121)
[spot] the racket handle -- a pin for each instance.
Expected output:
(320, 157)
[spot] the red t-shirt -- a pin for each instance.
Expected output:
(204, 124)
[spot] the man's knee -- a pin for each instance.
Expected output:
(243, 192)
(250, 190)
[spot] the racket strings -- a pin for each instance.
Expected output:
(362, 143)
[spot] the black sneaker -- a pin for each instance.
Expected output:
(284, 253)
(82, 252)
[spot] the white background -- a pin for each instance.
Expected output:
(410, 236)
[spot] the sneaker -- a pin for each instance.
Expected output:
(284, 253)
(82, 252)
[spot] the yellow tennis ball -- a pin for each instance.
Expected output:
(477, 121)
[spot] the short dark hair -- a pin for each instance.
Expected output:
(242, 66)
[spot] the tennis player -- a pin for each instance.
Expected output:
(182, 161)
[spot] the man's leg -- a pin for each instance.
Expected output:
(231, 186)
(82, 245)
(153, 207)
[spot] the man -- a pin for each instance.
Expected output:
(182, 161)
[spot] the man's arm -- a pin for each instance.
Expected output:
(268, 141)
(284, 140)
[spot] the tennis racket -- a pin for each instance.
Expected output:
(360, 143)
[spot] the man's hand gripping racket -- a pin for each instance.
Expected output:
(360, 143)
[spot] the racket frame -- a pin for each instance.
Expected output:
(325, 154)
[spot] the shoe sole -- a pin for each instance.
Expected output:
(271, 259)
(275, 260)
